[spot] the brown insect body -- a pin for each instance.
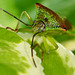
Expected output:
(51, 13)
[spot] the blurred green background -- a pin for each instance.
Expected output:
(62, 7)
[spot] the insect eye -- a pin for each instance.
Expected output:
(45, 19)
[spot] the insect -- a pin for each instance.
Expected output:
(46, 19)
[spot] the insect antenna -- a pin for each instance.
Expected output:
(15, 17)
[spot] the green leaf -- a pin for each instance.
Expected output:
(15, 56)
(59, 62)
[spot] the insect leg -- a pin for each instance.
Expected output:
(28, 17)
(32, 48)
(17, 19)
(53, 42)
(41, 49)
(17, 27)
(49, 44)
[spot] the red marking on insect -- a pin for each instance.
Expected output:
(64, 29)
(38, 5)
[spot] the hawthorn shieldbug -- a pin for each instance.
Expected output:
(46, 19)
